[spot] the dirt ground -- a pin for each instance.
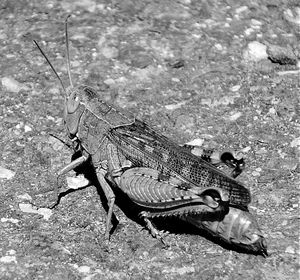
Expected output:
(223, 72)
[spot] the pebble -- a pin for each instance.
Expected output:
(6, 173)
(235, 116)
(77, 182)
(246, 149)
(255, 174)
(235, 88)
(256, 24)
(27, 128)
(241, 9)
(84, 269)
(255, 52)
(174, 106)
(295, 142)
(292, 17)
(290, 250)
(11, 220)
(196, 142)
(281, 55)
(248, 31)
(24, 197)
(109, 82)
(29, 208)
(8, 259)
(10, 84)
(110, 52)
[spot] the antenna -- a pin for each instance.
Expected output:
(68, 52)
(53, 69)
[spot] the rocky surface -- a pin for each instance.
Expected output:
(225, 72)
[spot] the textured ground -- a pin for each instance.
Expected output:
(181, 66)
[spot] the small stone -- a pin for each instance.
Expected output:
(255, 174)
(219, 47)
(295, 142)
(235, 88)
(195, 142)
(24, 197)
(6, 173)
(175, 80)
(256, 24)
(246, 149)
(281, 55)
(10, 84)
(29, 208)
(235, 116)
(77, 182)
(110, 52)
(292, 17)
(272, 111)
(109, 82)
(248, 31)
(290, 250)
(27, 128)
(174, 106)
(241, 9)
(11, 220)
(45, 212)
(255, 52)
(8, 259)
(84, 269)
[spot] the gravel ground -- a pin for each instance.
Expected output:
(224, 72)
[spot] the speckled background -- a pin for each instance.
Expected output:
(187, 68)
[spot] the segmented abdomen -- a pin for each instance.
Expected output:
(238, 227)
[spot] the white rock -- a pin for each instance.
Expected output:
(109, 82)
(6, 173)
(8, 259)
(292, 17)
(77, 182)
(27, 128)
(248, 31)
(219, 47)
(235, 116)
(235, 88)
(10, 84)
(295, 142)
(84, 269)
(196, 142)
(11, 220)
(241, 9)
(29, 208)
(246, 149)
(255, 52)
(110, 52)
(290, 250)
(174, 106)
(45, 212)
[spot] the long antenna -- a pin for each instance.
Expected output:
(53, 69)
(68, 52)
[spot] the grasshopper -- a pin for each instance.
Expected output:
(115, 143)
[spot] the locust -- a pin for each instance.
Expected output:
(167, 180)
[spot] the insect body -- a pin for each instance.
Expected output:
(177, 182)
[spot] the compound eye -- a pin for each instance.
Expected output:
(72, 102)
